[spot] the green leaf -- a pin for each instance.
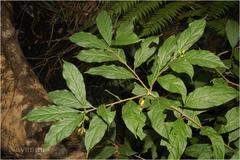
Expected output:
(96, 55)
(204, 58)
(143, 53)
(64, 98)
(106, 114)
(61, 130)
(104, 24)
(235, 54)
(190, 35)
(234, 135)
(177, 141)
(87, 40)
(237, 143)
(200, 151)
(232, 31)
(173, 84)
(210, 96)
(95, 132)
(50, 113)
(157, 116)
(181, 65)
(236, 155)
(193, 114)
(149, 144)
(138, 89)
(75, 83)
(126, 150)
(125, 34)
(232, 117)
(219, 81)
(111, 72)
(217, 142)
(134, 119)
(163, 57)
(102, 153)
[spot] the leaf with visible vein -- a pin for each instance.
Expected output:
(50, 113)
(217, 142)
(75, 82)
(61, 130)
(64, 98)
(96, 55)
(87, 40)
(134, 119)
(181, 65)
(210, 96)
(204, 58)
(95, 132)
(111, 72)
(173, 84)
(104, 24)
(143, 53)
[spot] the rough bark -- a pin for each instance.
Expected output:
(21, 92)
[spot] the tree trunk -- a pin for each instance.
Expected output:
(20, 93)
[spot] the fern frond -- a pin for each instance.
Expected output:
(217, 9)
(162, 17)
(218, 26)
(121, 7)
(142, 9)
(193, 13)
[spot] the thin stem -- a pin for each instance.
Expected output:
(124, 100)
(222, 53)
(139, 157)
(230, 148)
(199, 125)
(117, 102)
(160, 72)
(187, 116)
(234, 84)
(129, 68)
